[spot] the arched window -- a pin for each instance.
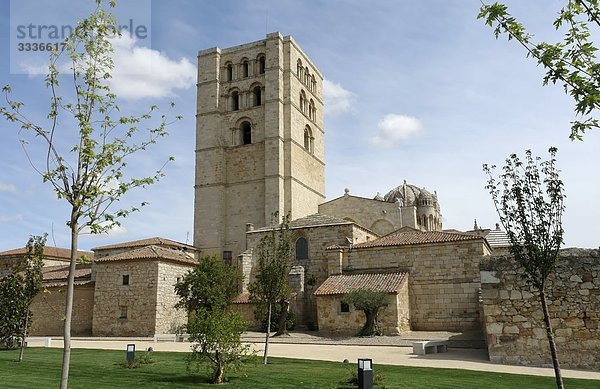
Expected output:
(229, 72)
(246, 133)
(308, 139)
(313, 83)
(261, 64)
(245, 68)
(301, 248)
(299, 69)
(257, 92)
(235, 101)
(311, 110)
(302, 101)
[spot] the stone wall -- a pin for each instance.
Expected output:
(48, 309)
(138, 298)
(168, 318)
(394, 319)
(444, 280)
(514, 319)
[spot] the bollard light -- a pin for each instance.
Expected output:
(130, 353)
(365, 373)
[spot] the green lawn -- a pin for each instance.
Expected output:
(102, 369)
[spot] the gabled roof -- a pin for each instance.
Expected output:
(403, 237)
(344, 283)
(50, 253)
(497, 238)
(150, 252)
(314, 220)
(57, 275)
(146, 242)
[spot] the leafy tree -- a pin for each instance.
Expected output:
(370, 302)
(89, 174)
(205, 293)
(274, 253)
(528, 197)
(217, 337)
(260, 314)
(211, 285)
(571, 62)
(17, 291)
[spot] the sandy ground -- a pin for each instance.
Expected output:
(301, 347)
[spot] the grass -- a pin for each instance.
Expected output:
(104, 369)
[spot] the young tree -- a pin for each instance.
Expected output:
(571, 62)
(370, 302)
(528, 197)
(205, 293)
(274, 253)
(89, 174)
(17, 291)
(211, 285)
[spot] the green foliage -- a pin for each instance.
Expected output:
(17, 290)
(370, 302)
(145, 359)
(261, 312)
(211, 285)
(217, 338)
(571, 62)
(529, 198)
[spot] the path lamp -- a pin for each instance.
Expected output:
(130, 353)
(365, 373)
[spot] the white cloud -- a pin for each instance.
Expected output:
(395, 128)
(142, 72)
(7, 187)
(337, 99)
(10, 218)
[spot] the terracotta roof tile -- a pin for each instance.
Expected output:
(243, 298)
(50, 252)
(344, 283)
(150, 252)
(404, 238)
(57, 275)
(146, 242)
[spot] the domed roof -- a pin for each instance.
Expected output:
(425, 195)
(407, 194)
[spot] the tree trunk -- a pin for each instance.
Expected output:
(369, 327)
(549, 333)
(267, 336)
(24, 335)
(64, 378)
(220, 371)
(283, 314)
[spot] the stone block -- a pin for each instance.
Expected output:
(511, 330)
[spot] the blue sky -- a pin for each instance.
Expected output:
(416, 90)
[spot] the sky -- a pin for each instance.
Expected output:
(414, 90)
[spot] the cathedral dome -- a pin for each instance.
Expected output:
(407, 194)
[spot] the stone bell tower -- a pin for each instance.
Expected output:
(259, 140)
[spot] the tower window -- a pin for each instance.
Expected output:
(246, 68)
(302, 101)
(261, 65)
(235, 101)
(123, 312)
(125, 279)
(308, 139)
(227, 256)
(257, 91)
(299, 69)
(344, 307)
(301, 248)
(246, 131)
(229, 72)
(311, 110)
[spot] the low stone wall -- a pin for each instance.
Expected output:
(514, 320)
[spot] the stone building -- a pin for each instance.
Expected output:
(259, 140)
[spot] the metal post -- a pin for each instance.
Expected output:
(365, 373)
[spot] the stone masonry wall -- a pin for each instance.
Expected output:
(514, 319)
(48, 309)
(444, 280)
(168, 318)
(138, 298)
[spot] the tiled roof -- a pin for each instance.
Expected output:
(344, 283)
(57, 275)
(243, 298)
(149, 252)
(50, 253)
(497, 238)
(146, 242)
(404, 238)
(314, 220)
